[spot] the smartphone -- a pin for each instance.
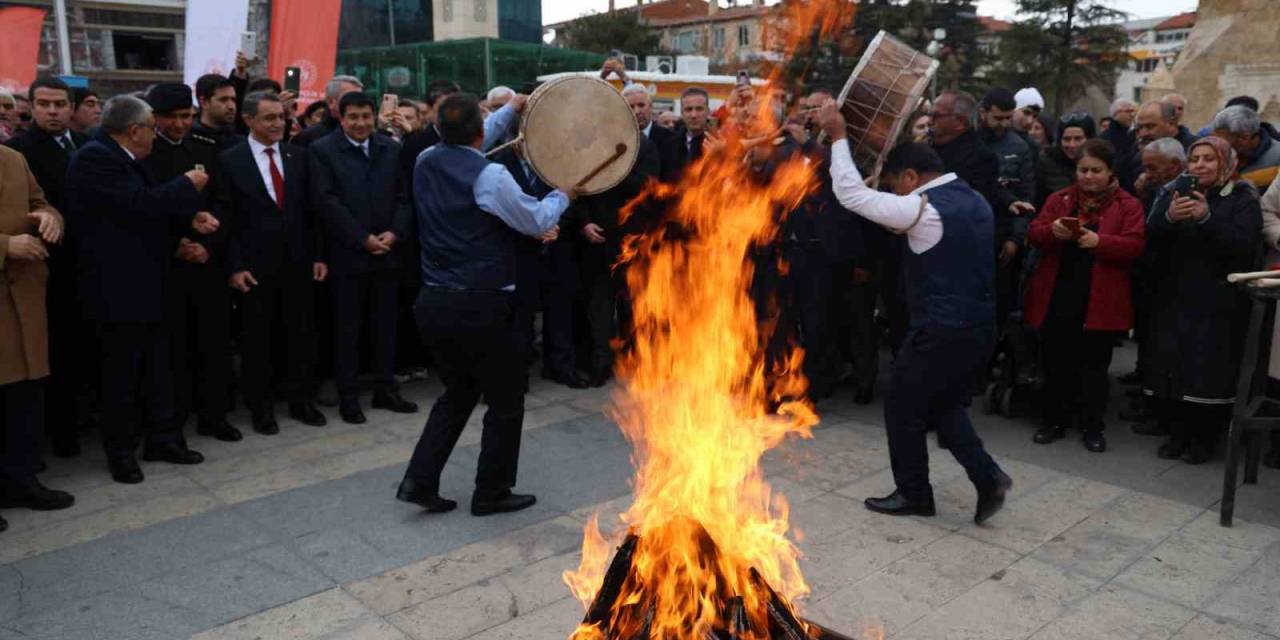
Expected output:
(249, 44)
(1185, 184)
(390, 102)
(293, 79)
(744, 77)
(1071, 223)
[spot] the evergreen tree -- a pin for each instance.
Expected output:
(604, 32)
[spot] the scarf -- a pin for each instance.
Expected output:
(1089, 206)
(1226, 159)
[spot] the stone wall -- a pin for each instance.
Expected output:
(1233, 50)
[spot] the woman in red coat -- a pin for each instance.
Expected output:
(1089, 236)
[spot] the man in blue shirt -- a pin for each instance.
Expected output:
(470, 214)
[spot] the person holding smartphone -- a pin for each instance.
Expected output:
(1089, 235)
(1196, 235)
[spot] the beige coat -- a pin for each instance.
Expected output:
(24, 336)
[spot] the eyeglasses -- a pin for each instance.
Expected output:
(1076, 119)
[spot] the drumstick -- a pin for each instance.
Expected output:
(1264, 283)
(618, 152)
(1253, 275)
(504, 145)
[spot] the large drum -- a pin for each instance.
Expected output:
(881, 95)
(579, 128)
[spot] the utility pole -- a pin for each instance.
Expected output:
(391, 20)
(64, 38)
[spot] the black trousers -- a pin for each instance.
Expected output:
(21, 417)
(355, 298)
(602, 306)
(73, 353)
(136, 372)
(1190, 422)
(200, 326)
(930, 389)
(472, 338)
(811, 290)
(1076, 386)
(281, 302)
(853, 310)
(555, 298)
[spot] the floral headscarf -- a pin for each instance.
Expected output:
(1226, 158)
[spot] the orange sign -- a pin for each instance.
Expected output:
(304, 34)
(20, 46)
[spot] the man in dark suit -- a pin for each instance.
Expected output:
(124, 218)
(48, 147)
(216, 95)
(695, 114)
(199, 301)
(334, 89)
(547, 277)
(364, 209)
(664, 139)
(273, 259)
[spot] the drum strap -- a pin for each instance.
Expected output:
(924, 202)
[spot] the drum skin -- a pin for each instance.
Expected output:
(571, 126)
(881, 95)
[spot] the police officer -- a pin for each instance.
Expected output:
(199, 300)
(471, 213)
(950, 282)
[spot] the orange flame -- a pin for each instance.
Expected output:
(699, 402)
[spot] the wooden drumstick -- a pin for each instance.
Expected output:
(618, 152)
(515, 140)
(1264, 283)
(1253, 275)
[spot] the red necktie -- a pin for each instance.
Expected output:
(277, 180)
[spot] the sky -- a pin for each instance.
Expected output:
(559, 10)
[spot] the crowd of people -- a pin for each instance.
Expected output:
(169, 254)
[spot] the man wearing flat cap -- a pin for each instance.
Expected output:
(199, 300)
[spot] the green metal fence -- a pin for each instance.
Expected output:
(477, 64)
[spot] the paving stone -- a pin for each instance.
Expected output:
(1117, 614)
(341, 554)
(552, 623)
(328, 612)
(871, 543)
(1208, 628)
(1253, 599)
(1110, 539)
(437, 576)
(112, 616)
(915, 585)
(1039, 516)
(1010, 605)
(374, 630)
(98, 498)
(1188, 570)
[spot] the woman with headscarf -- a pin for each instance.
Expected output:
(1056, 169)
(1078, 296)
(1198, 320)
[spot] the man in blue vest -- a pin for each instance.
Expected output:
(950, 283)
(471, 213)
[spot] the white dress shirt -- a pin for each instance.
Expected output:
(260, 157)
(647, 129)
(362, 146)
(910, 214)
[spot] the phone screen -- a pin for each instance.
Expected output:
(292, 79)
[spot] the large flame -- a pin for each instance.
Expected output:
(699, 401)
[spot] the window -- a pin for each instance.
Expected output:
(144, 51)
(685, 41)
(1146, 66)
(717, 38)
(744, 36)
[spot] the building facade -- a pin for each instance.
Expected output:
(1153, 44)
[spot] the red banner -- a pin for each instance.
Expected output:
(20, 46)
(304, 34)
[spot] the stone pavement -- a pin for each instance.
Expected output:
(299, 536)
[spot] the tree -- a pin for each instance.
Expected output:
(1062, 47)
(604, 32)
(915, 21)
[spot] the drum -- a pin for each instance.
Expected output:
(881, 95)
(579, 128)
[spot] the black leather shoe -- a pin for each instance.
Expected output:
(1047, 435)
(502, 504)
(125, 470)
(34, 496)
(265, 423)
(896, 504)
(66, 447)
(307, 414)
(1095, 442)
(991, 499)
(411, 491)
(4, 525)
(218, 428)
(391, 401)
(1150, 427)
(1172, 449)
(573, 380)
(864, 395)
(173, 454)
(351, 412)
